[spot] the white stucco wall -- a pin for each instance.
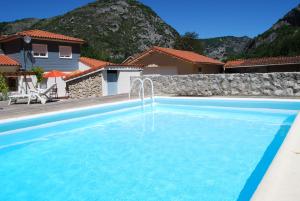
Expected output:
(60, 83)
(104, 83)
(124, 80)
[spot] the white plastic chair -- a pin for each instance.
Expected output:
(41, 94)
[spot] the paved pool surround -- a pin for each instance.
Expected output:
(248, 84)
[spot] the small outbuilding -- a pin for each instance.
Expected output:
(101, 79)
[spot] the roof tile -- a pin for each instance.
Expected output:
(181, 54)
(7, 61)
(262, 61)
(48, 35)
(95, 65)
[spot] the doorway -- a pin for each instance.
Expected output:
(112, 82)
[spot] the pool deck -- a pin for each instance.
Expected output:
(22, 109)
(280, 183)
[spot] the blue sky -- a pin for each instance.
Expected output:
(209, 18)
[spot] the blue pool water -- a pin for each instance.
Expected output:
(178, 149)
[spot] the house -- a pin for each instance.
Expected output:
(167, 61)
(10, 67)
(264, 65)
(34, 48)
(100, 78)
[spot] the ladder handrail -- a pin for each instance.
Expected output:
(152, 87)
(142, 89)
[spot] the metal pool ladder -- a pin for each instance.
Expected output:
(142, 89)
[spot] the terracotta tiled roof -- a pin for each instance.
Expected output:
(49, 35)
(95, 65)
(7, 61)
(39, 34)
(262, 62)
(184, 55)
(74, 73)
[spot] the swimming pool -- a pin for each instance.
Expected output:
(176, 149)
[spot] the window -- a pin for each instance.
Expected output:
(199, 70)
(40, 50)
(65, 52)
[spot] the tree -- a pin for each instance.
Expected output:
(189, 41)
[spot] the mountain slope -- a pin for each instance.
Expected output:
(225, 47)
(282, 39)
(113, 29)
(17, 26)
(116, 29)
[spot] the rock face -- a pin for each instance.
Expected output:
(251, 84)
(282, 39)
(113, 29)
(223, 48)
(85, 87)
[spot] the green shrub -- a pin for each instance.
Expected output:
(3, 88)
(38, 71)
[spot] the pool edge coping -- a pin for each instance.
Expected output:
(100, 105)
(23, 117)
(281, 180)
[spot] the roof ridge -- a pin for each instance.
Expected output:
(280, 60)
(165, 50)
(38, 33)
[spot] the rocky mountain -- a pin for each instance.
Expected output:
(116, 29)
(113, 29)
(225, 47)
(283, 38)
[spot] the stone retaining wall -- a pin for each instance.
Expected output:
(87, 86)
(251, 84)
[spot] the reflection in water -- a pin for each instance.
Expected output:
(148, 115)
